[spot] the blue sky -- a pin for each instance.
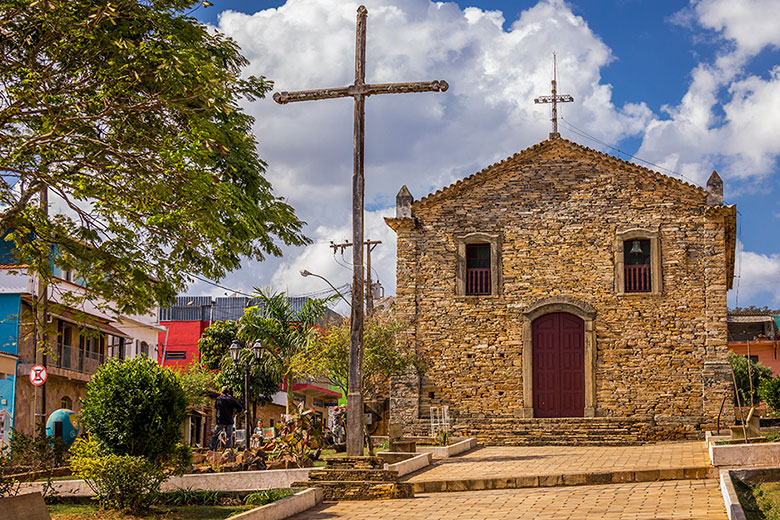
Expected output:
(690, 87)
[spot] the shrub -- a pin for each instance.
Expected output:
(769, 390)
(757, 372)
(266, 496)
(135, 407)
(126, 482)
(36, 452)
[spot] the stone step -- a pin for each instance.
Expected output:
(355, 463)
(372, 475)
(359, 490)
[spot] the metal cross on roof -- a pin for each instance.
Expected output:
(554, 99)
(359, 90)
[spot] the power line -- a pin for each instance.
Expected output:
(583, 133)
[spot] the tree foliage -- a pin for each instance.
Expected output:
(215, 341)
(128, 112)
(198, 384)
(746, 377)
(135, 407)
(213, 346)
(769, 390)
(385, 354)
(283, 331)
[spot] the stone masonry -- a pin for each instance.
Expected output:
(556, 216)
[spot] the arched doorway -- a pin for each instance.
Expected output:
(558, 365)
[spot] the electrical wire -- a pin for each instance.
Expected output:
(583, 133)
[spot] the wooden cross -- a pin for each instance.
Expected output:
(554, 99)
(359, 91)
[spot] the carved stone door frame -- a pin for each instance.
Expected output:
(578, 308)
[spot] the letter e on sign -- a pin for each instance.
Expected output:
(38, 375)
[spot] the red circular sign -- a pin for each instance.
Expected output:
(38, 375)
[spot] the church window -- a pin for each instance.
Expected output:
(637, 262)
(66, 403)
(636, 259)
(478, 269)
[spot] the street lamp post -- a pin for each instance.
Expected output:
(306, 273)
(235, 355)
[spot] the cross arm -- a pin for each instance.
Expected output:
(312, 95)
(405, 88)
(550, 99)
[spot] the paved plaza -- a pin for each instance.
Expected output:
(507, 461)
(679, 499)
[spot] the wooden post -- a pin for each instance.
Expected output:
(359, 91)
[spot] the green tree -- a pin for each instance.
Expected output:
(128, 112)
(748, 374)
(385, 354)
(769, 390)
(135, 407)
(283, 331)
(215, 341)
(198, 384)
(213, 347)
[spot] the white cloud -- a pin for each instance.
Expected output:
(758, 275)
(727, 117)
(750, 24)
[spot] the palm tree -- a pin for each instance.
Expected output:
(283, 331)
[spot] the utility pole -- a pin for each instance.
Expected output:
(41, 335)
(370, 245)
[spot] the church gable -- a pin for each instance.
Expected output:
(559, 165)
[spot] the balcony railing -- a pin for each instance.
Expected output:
(478, 281)
(77, 359)
(638, 278)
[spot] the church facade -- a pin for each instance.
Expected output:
(563, 289)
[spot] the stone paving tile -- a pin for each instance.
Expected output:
(510, 461)
(678, 500)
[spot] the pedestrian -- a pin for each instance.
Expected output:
(227, 407)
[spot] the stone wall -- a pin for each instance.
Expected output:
(557, 209)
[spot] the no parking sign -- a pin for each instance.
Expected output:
(38, 375)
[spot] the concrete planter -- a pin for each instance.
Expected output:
(236, 481)
(443, 452)
(730, 499)
(410, 465)
(743, 455)
(285, 507)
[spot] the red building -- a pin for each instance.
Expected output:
(754, 334)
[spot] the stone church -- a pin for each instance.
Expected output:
(566, 296)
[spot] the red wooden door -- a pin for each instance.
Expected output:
(559, 365)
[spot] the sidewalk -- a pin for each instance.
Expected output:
(678, 500)
(497, 467)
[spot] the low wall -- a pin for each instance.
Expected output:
(410, 465)
(285, 507)
(235, 481)
(443, 452)
(730, 499)
(739, 455)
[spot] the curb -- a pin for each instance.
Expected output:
(285, 507)
(569, 479)
(730, 498)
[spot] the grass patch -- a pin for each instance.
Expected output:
(93, 512)
(759, 501)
